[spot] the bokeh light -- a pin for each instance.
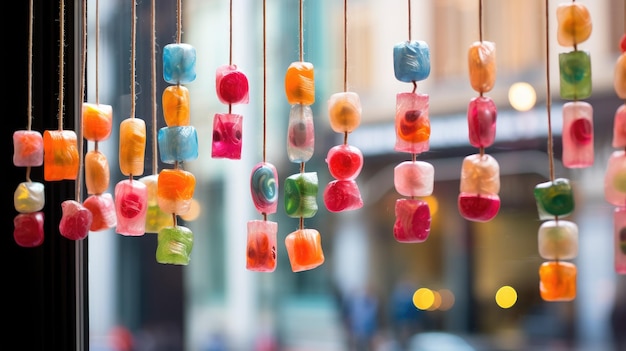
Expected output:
(522, 96)
(506, 297)
(193, 213)
(423, 298)
(447, 299)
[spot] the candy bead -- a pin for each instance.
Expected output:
(102, 208)
(619, 128)
(622, 43)
(174, 245)
(577, 135)
(619, 77)
(131, 197)
(412, 123)
(132, 146)
(558, 240)
(414, 178)
(557, 281)
(264, 187)
(481, 59)
(29, 197)
(342, 195)
(261, 246)
(344, 112)
(231, 85)
(60, 155)
(480, 174)
(97, 174)
(97, 121)
(28, 229)
(27, 148)
(75, 221)
(175, 190)
(615, 179)
(175, 100)
(575, 75)
(481, 120)
(178, 144)
(478, 207)
(227, 136)
(619, 234)
(411, 61)
(179, 63)
(344, 162)
(300, 134)
(304, 248)
(300, 195)
(300, 83)
(573, 24)
(413, 219)
(155, 217)
(554, 198)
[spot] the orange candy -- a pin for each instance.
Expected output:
(97, 121)
(97, 174)
(300, 83)
(344, 112)
(132, 146)
(574, 24)
(304, 248)
(557, 281)
(175, 102)
(60, 155)
(482, 65)
(175, 190)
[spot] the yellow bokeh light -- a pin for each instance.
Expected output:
(506, 297)
(522, 96)
(423, 298)
(194, 211)
(436, 301)
(447, 299)
(433, 204)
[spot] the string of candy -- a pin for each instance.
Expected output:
(413, 179)
(557, 238)
(478, 199)
(29, 197)
(261, 234)
(178, 143)
(304, 246)
(614, 191)
(131, 195)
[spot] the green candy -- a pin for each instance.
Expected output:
(300, 195)
(575, 75)
(174, 245)
(554, 198)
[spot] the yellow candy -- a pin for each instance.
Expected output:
(175, 101)
(132, 146)
(574, 23)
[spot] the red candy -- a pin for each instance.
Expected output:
(479, 208)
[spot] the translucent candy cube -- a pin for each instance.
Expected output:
(227, 136)
(478, 207)
(132, 146)
(554, 198)
(300, 134)
(481, 121)
(131, 200)
(179, 63)
(480, 174)
(175, 101)
(301, 195)
(97, 173)
(156, 218)
(27, 148)
(304, 248)
(557, 281)
(558, 240)
(300, 83)
(264, 187)
(575, 75)
(573, 23)
(344, 112)
(178, 144)
(28, 229)
(231, 85)
(577, 135)
(75, 221)
(411, 61)
(102, 208)
(342, 195)
(414, 178)
(175, 190)
(412, 224)
(97, 121)
(60, 150)
(619, 233)
(619, 127)
(344, 161)
(261, 246)
(615, 179)
(29, 197)
(619, 77)
(174, 245)
(412, 123)
(481, 59)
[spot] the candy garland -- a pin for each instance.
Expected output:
(29, 197)
(232, 88)
(614, 189)
(304, 246)
(557, 238)
(478, 199)
(178, 143)
(411, 63)
(261, 237)
(97, 123)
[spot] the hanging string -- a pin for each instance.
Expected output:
(301, 32)
(264, 85)
(29, 107)
(97, 55)
(409, 13)
(61, 59)
(548, 94)
(78, 185)
(132, 61)
(230, 31)
(345, 45)
(179, 21)
(480, 20)
(154, 102)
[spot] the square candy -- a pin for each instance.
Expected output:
(300, 83)
(261, 246)
(619, 127)
(60, 150)
(304, 248)
(178, 144)
(342, 195)
(28, 229)
(557, 281)
(174, 245)
(558, 240)
(175, 189)
(414, 178)
(227, 136)
(97, 121)
(412, 123)
(411, 61)
(615, 179)
(131, 202)
(175, 101)
(179, 63)
(413, 220)
(577, 135)
(301, 195)
(27, 148)
(29, 197)
(480, 174)
(554, 198)
(575, 75)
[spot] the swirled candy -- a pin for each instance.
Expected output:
(97, 121)
(481, 121)
(304, 248)
(300, 195)
(577, 135)
(131, 197)
(76, 220)
(231, 85)
(175, 101)
(554, 198)
(132, 146)
(60, 160)
(300, 83)
(179, 63)
(412, 123)
(28, 229)
(264, 187)
(27, 148)
(413, 219)
(174, 245)
(261, 246)
(300, 134)
(102, 208)
(227, 136)
(557, 281)
(411, 61)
